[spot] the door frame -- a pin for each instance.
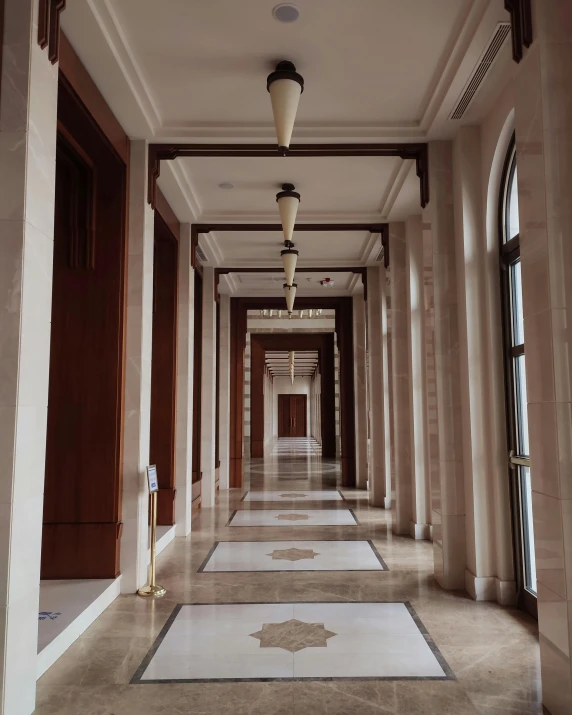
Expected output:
(260, 343)
(343, 308)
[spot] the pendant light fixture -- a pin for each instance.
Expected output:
(285, 86)
(289, 259)
(290, 295)
(288, 201)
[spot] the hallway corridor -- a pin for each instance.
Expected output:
(316, 615)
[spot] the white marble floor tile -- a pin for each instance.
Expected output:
(169, 667)
(293, 640)
(294, 495)
(293, 556)
(293, 517)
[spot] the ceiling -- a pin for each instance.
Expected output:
(305, 363)
(374, 70)
(332, 188)
(270, 284)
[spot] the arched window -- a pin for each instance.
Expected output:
(515, 367)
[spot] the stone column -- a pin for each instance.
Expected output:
(224, 391)
(543, 89)
(139, 326)
(489, 544)
(379, 472)
(208, 386)
(419, 442)
(386, 385)
(185, 354)
(401, 379)
(449, 499)
(360, 378)
(432, 423)
(28, 121)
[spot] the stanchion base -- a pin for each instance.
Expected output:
(155, 591)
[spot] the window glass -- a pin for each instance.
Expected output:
(511, 208)
(516, 304)
(521, 405)
(528, 530)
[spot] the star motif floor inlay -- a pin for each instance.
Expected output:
(293, 554)
(293, 635)
(302, 640)
(292, 517)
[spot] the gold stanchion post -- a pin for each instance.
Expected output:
(152, 590)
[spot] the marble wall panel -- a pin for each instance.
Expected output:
(137, 405)
(28, 121)
(208, 387)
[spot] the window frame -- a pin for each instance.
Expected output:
(509, 253)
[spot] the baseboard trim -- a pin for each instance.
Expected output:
(419, 532)
(490, 588)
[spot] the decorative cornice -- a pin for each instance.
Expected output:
(168, 152)
(49, 27)
(520, 12)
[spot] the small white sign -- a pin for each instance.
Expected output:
(152, 478)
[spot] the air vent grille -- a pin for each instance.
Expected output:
(200, 254)
(484, 64)
(380, 254)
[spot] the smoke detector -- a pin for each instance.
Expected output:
(327, 283)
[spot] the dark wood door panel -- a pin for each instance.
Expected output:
(197, 375)
(292, 415)
(85, 401)
(164, 367)
(299, 412)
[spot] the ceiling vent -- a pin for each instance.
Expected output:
(200, 254)
(380, 254)
(481, 69)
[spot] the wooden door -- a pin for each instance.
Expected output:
(292, 415)
(298, 412)
(164, 367)
(82, 489)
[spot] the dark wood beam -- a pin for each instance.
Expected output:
(520, 12)
(168, 152)
(49, 12)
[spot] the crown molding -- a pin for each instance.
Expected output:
(452, 58)
(371, 248)
(394, 187)
(115, 37)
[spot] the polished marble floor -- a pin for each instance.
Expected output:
(124, 663)
(276, 641)
(297, 495)
(293, 517)
(298, 555)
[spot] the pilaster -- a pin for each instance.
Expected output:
(28, 122)
(185, 354)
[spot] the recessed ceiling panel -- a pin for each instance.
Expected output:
(365, 61)
(327, 185)
(326, 248)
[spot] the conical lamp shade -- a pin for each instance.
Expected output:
(288, 201)
(289, 259)
(285, 86)
(290, 294)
